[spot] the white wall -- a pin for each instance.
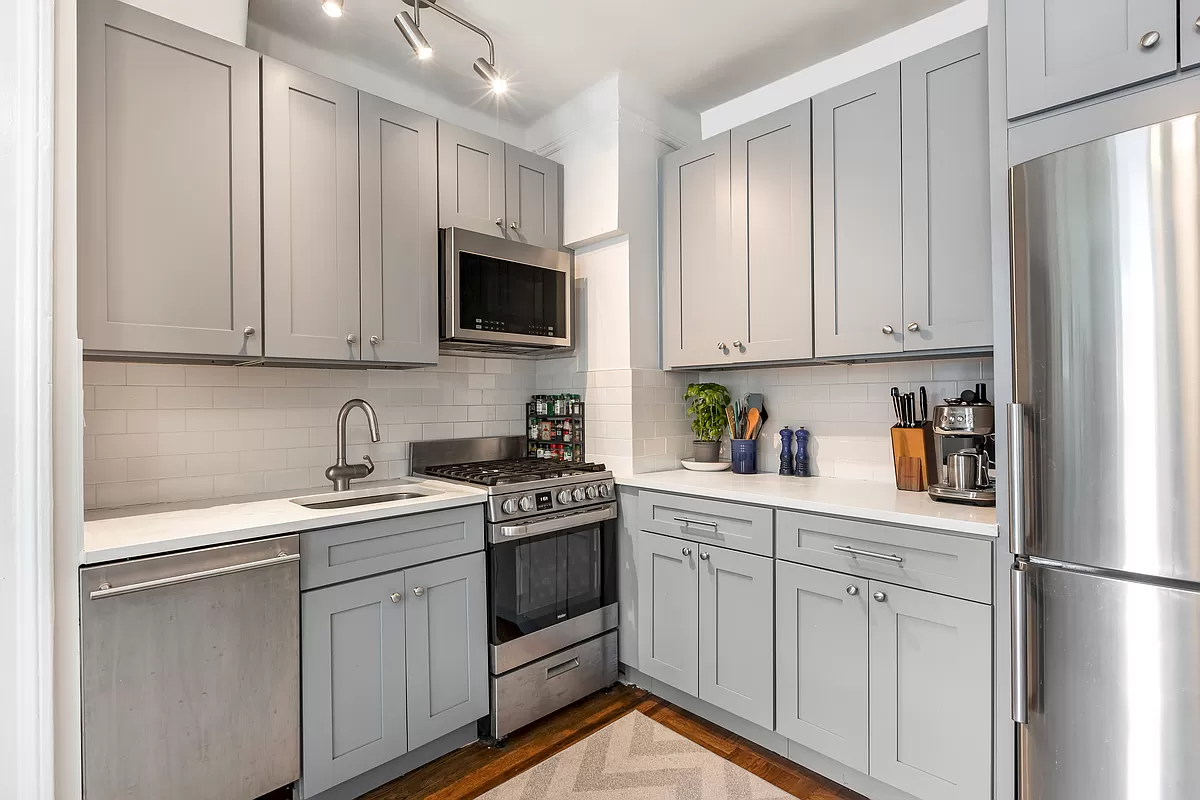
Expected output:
(941, 27)
(224, 18)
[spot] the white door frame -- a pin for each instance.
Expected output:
(26, 369)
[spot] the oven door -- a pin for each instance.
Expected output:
(552, 584)
(504, 292)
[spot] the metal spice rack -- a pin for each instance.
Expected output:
(554, 427)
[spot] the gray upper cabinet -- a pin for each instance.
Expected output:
(470, 180)
(353, 679)
(1065, 50)
(446, 612)
(169, 246)
(668, 625)
(931, 698)
(771, 232)
(703, 306)
(737, 668)
(531, 192)
(857, 237)
(310, 215)
(947, 235)
(1189, 32)
(821, 652)
(398, 223)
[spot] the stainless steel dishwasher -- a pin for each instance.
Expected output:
(191, 673)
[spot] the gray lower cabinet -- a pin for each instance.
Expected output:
(668, 625)
(353, 680)
(947, 236)
(1189, 33)
(703, 308)
(398, 222)
(821, 662)
(857, 236)
(169, 257)
(310, 215)
(737, 670)
(1065, 50)
(531, 198)
(446, 612)
(931, 698)
(470, 180)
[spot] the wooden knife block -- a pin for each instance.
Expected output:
(913, 453)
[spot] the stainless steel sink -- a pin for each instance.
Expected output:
(323, 502)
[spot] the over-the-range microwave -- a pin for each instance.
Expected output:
(504, 296)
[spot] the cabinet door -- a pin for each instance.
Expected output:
(858, 257)
(531, 192)
(771, 168)
(398, 221)
(446, 609)
(668, 625)
(821, 653)
(352, 679)
(470, 180)
(931, 693)
(704, 303)
(1065, 50)
(947, 231)
(737, 639)
(310, 215)
(1189, 32)
(169, 212)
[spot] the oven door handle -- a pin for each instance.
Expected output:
(554, 524)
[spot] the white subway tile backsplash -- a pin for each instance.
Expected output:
(206, 375)
(98, 422)
(174, 490)
(155, 421)
(185, 396)
(154, 374)
(237, 397)
(155, 467)
(211, 419)
(103, 373)
(126, 445)
(125, 397)
(185, 443)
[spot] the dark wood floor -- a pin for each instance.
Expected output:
(473, 770)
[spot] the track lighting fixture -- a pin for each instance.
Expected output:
(486, 71)
(410, 27)
(412, 33)
(332, 7)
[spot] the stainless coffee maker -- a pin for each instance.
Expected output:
(965, 448)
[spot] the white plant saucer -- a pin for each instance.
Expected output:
(705, 466)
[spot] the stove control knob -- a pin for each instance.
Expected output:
(578, 494)
(592, 492)
(509, 506)
(564, 496)
(605, 491)
(527, 503)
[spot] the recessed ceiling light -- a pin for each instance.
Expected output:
(332, 7)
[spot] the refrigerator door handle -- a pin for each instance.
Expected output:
(1017, 501)
(1020, 644)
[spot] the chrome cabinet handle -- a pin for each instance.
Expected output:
(888, 330)
(500, 221)
(395, 597)
(108, 590)
(1020, 678)
(738, 345)
(854, 551)
(1198, 22)
(703, 555)
(852, 590)
(248, 331)
(559, 669)
(913, 327)
(352, 339)
(700, 523)
(375, 340)
(1016, 477)
(879, 597)
(419, 591)
(1149, 40)
(512, 225)
(720, 345)
(687, 551)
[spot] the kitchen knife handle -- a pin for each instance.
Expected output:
(1020, 644)
(924, 406)
(1017, 501)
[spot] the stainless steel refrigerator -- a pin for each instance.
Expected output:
(1106, 468)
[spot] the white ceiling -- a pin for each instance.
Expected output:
(696, 53)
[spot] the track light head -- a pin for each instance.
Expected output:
(412, 34)
(486, 71)
(332, 7)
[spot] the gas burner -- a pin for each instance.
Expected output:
(508, 471)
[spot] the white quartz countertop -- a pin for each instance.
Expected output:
(152, 530)
(867, 500)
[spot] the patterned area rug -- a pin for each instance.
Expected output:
(635, 758)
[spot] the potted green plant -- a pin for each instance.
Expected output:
(706, 404)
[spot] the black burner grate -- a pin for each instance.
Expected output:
(516, 470)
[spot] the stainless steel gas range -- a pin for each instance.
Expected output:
(552, 563)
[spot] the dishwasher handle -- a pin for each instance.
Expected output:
(107, 590)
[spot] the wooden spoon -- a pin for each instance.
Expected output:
(732, 424)
(752, 422)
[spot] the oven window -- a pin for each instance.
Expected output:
(543, 580)
(510, 297)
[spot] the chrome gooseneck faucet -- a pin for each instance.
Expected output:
(342, 473)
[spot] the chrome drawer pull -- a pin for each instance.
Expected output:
(700, 523)
(559, 669)
(106, 590)
(854, 551)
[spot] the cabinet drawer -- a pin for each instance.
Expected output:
(936, 562)
(340, 554)
(739, 527)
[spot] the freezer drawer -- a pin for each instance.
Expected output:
(1111, 688)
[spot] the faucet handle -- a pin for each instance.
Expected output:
(370, 464)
